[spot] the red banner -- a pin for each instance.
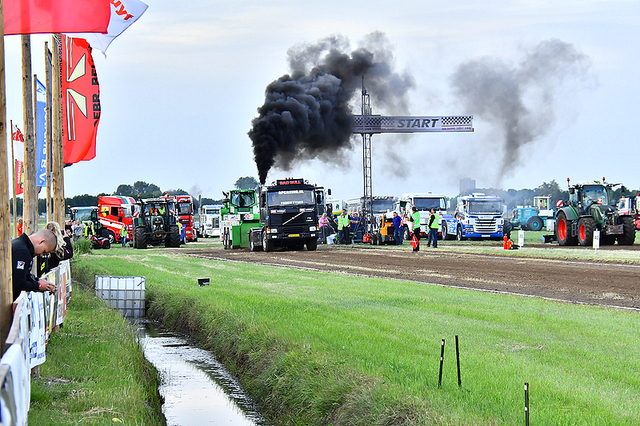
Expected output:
(80, 100)
(56, 16)
(19, 178)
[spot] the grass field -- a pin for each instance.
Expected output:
(328, 349)
(95, 372)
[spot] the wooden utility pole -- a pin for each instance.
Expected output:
(6, 285)
(30, 197)
(49, 131)
(56, 121)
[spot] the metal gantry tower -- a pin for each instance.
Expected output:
(367, 124)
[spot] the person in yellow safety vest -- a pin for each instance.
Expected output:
(123, 235)
(180, 231)
(415, 218)
(88, 228)
(434, 224)
(343, 227)
(161, 210)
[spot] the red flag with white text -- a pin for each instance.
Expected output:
(17, 134)
(80, 100)
(56, 16)
(19, 178)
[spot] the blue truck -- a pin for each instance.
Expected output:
(477, 216)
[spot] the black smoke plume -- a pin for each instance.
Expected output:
(308, 114)
(518, 100)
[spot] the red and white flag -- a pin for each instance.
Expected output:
(123, 14)
(19, 178)
(17, 134)
(56, 16)
(80, 100)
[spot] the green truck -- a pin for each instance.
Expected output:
(239, 213)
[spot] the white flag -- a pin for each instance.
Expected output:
(123, 14)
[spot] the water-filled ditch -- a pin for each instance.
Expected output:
(197, 389)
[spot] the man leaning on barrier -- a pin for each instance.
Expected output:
(23, 250)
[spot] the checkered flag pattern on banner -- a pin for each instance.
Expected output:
(456, 120)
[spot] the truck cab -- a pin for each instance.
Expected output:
(424, 202)
(289, 216)
(479, 216)
(210, 220)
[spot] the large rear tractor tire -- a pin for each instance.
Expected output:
(586, 226)
(563, 231)
(140, 238)
(628, 236)
(507, 227)
(172, 239)
(535, 223)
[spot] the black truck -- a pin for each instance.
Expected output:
(289, 216)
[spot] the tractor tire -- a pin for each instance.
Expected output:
(226, 244)
(586, 226)
(140, 238)
(535, 224)
(563, 231)
(172, 239)
(628, 236)
(459, 236)
(108, 234)
(312, 244)
(106, 245)
(507, 227)
(267, 244)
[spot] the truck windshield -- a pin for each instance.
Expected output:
(127, 211)
(290, 198)
(83, 214)
(595, 194)
(485, 207)
(383, 206)
(429, 203)
(243, 199)
(184, 208)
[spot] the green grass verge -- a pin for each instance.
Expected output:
(330, 349)
(95, 372)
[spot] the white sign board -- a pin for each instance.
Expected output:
(381, 124)
(521, 238)
(596, 240)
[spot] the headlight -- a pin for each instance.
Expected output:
(273, 230)
(313, 228)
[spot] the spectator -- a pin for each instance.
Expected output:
(354, 222)
(65, 253)
(415, 218)
(123, 235)
(325, 229)
(19, 227)
(77, 230)
(434, 224)
(23, 250)
(343, 227)
(397, 228)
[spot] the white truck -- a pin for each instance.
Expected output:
(424, 202)
(210, 220)
(478, 216)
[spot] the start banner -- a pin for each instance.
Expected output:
(392, 124)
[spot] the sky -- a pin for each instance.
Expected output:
(552, 86)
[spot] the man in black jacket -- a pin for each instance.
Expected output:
(23, 249)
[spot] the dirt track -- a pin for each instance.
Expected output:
(586, 282)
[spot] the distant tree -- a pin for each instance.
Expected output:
(246, 182)
(553, 189)
(124, 190)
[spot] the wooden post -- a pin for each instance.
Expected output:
(13, 172)
(30, 208)
(6, 285)
(56, 124)
(47, 70)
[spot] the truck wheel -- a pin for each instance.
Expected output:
(225, 239)
(108, 234)
(535, 223)
(267, 244)
(586, 226)
(252, 245)
(628, 236)
(140, 238)
(563, 231)
(459, 236)
(172, 239)
(445, 233)
(312, 244)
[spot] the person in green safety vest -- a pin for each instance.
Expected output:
(434, 224)
(123, 235)
(343, 227)
(88, 228)
(415, 218)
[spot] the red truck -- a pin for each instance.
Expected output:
(185, 209)
(114, 212)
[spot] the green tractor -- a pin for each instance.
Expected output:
(154, 223)
(591, 208)
(240, 213)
